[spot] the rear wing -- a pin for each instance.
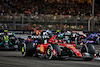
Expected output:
(8, 33)
(38, 36)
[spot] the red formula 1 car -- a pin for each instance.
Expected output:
(55, 48)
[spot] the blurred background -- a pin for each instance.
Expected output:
(50, 14)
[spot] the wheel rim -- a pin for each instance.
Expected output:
(48, 52)
(24, 49)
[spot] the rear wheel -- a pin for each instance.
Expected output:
(27, 49)
(89, 48)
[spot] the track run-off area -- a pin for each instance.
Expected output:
(15, 59)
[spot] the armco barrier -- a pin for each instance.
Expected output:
(29, 31)
(19, 31)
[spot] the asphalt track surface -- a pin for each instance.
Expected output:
(15, 59)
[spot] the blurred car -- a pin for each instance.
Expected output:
(93, 38)
(10, 42)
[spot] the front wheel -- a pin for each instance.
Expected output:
(49, 52)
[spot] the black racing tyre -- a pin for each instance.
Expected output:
(90, 49)
(27, 49)
(49, 52)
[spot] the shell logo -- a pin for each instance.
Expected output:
(71, 47)
(41, 48)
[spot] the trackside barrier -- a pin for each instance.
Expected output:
(30, 31)
(19, 31)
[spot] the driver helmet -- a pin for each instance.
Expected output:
(60, 36)
(58, 31)
(49, 32)
(5, 32)
(37, 32)
(67, 39)
(92, 36)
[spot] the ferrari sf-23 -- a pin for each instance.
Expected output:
(54, 47)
